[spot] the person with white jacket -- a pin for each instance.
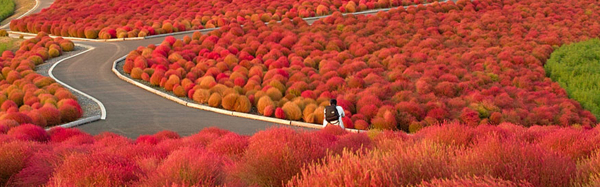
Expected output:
(334, 113)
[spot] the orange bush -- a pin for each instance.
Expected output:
(51, 114)
(229, 101)
(53, 53)
(156, 77)
(214, 100)
(69, 110)
(136, 73)
(67, 45)
(242, 104)
(179, 91)
(37, 118)
(274, 93)
(171, 82)
(207, 82)
(269, 110)
(201, 96)
(263, 102)
(292, 111)
(62, 93)
(91, 33)
(319, 114)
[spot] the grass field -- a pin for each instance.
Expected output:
(7, 8)
(20, 7)
(9, 44)
(575, 67)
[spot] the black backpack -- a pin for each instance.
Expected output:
(331, 113)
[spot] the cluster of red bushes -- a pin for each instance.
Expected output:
(121, 19)
(30, 98)
(477, 62)
(448, 155)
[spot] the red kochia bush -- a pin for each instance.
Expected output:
(474, 181)
(506, 154)
(69, 110)
(51, 114)
(189, 166)
(230, 144)
(13, 156)
(292, 111)
(272, 165)
(279, 113)
(521, 162)
(29, 132)
(396, 167)
(37, 171)
(97, 169)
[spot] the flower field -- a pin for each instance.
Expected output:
(468, 81)
(448, 155)
(477, 62)
(30, 98)
(121, 19)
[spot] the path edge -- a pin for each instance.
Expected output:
(215, 110)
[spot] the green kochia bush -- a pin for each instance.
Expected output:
(7, 8)
(576, 67)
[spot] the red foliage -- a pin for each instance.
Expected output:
(29, 132)
(166, 134)
(522, 162)
(69, 111)
(60, 134)
(476, 62)
(474, 181)
(445, 154)
(230, 144)
(334, 130)
(13, 156)
(189, 166)
(279, 113)
(133, 19)
(37, 171)
(271, 165)
(95, 169)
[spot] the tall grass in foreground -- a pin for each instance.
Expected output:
(446, 155)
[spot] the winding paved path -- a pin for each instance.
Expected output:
(132, 111)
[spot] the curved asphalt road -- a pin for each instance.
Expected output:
(132, 111)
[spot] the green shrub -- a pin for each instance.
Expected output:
(7, 8)
(576, 67)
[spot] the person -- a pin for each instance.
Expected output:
(334, 113)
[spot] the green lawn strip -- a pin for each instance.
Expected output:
(576, 67)
(7, 8)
